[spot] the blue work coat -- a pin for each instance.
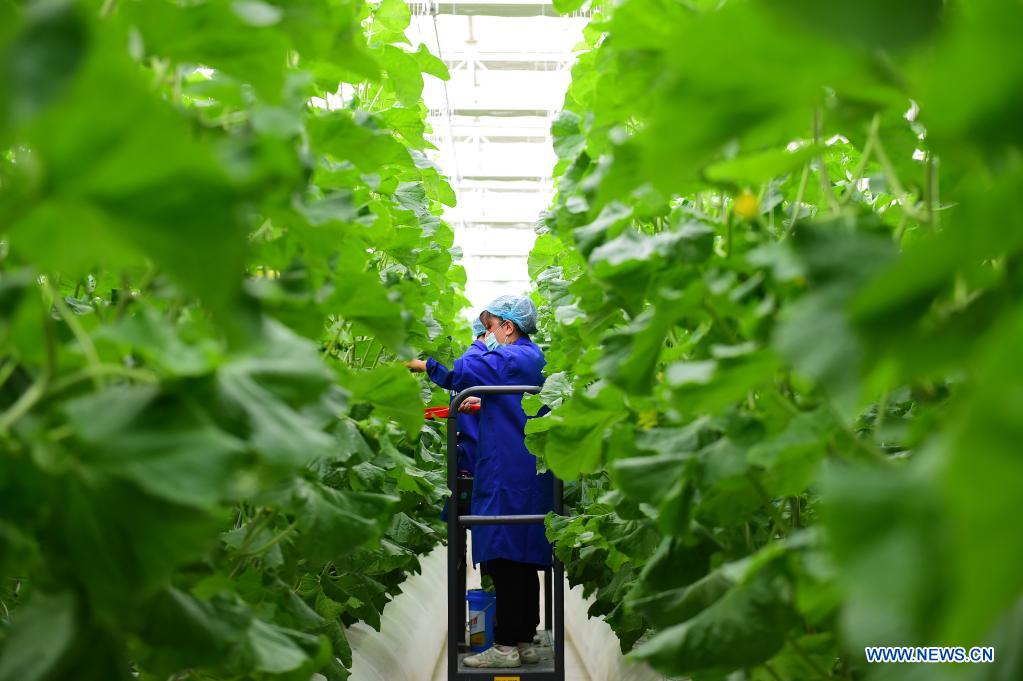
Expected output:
(506, 480)
(469, 424)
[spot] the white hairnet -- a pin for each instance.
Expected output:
(518, 309)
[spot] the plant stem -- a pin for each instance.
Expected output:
(274, 541)
(933, 201)
(794, 515)
(719, 321)
(808, 660)
(92, 372)
(728, 227)
(6, 369)
(893, 177)
(337, 335)
(772, 510)
(37, 390)
(376, 360)
(825, 179)
(861, 167)
(900, 228)
(800, 193)
(80, 334)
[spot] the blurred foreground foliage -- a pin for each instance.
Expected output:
(219, 228)
(781, 285)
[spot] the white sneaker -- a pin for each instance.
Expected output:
(492, 657)
(527, 653)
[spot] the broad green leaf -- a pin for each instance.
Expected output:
(574, 435)
(124, 542)
(430, 64)
(392, 391)
(42, 631)
(793, 456)
(889, 538)
(394, 15)
(129, 434)
(404, 73)
(362, 298)
(110, 177)
(873, 24)
(745, 627)
(751, 170)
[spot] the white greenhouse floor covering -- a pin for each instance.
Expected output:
(411, 644)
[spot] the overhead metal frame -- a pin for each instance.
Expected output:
(498, 8)
(468, 127)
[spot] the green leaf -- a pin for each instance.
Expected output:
(793, 456)
(877, 520)
(275, 652)
(752, 170)
(41, 633)
(231, 37)
(158, 341)
(392, 391)
(403, 72)
(279, 370)
(332, 521)
(430, 64)
(363, 299)
(574, 435)
(124, 542)
(158, 446)
(648, 479)
(744, 628)
(874, 24)
(108, 178)
(394, 15)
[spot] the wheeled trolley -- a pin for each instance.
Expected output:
(551, 667)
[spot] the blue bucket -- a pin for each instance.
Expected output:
(482, 605)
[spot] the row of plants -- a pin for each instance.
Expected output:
(780, 284)
(212, 254)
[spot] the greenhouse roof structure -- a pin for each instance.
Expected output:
(510, 66)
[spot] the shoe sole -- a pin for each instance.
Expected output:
(487, 665)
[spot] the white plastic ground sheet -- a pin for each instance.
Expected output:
(597, 644)
(413, 628)
(412, 634)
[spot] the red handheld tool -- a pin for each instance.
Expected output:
(431, 413)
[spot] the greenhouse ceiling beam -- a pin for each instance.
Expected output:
(478, 222)
(467, 138)
(504, 178)
(525, 185)
(545, 66)
(496, 8)
(527, 123)
(500, 113)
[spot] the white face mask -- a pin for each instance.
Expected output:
(491, 342)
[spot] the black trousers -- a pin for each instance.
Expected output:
(518, 600)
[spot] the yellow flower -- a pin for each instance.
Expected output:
(647, 419)
(747, 206)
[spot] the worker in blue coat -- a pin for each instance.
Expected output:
(506, 478)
